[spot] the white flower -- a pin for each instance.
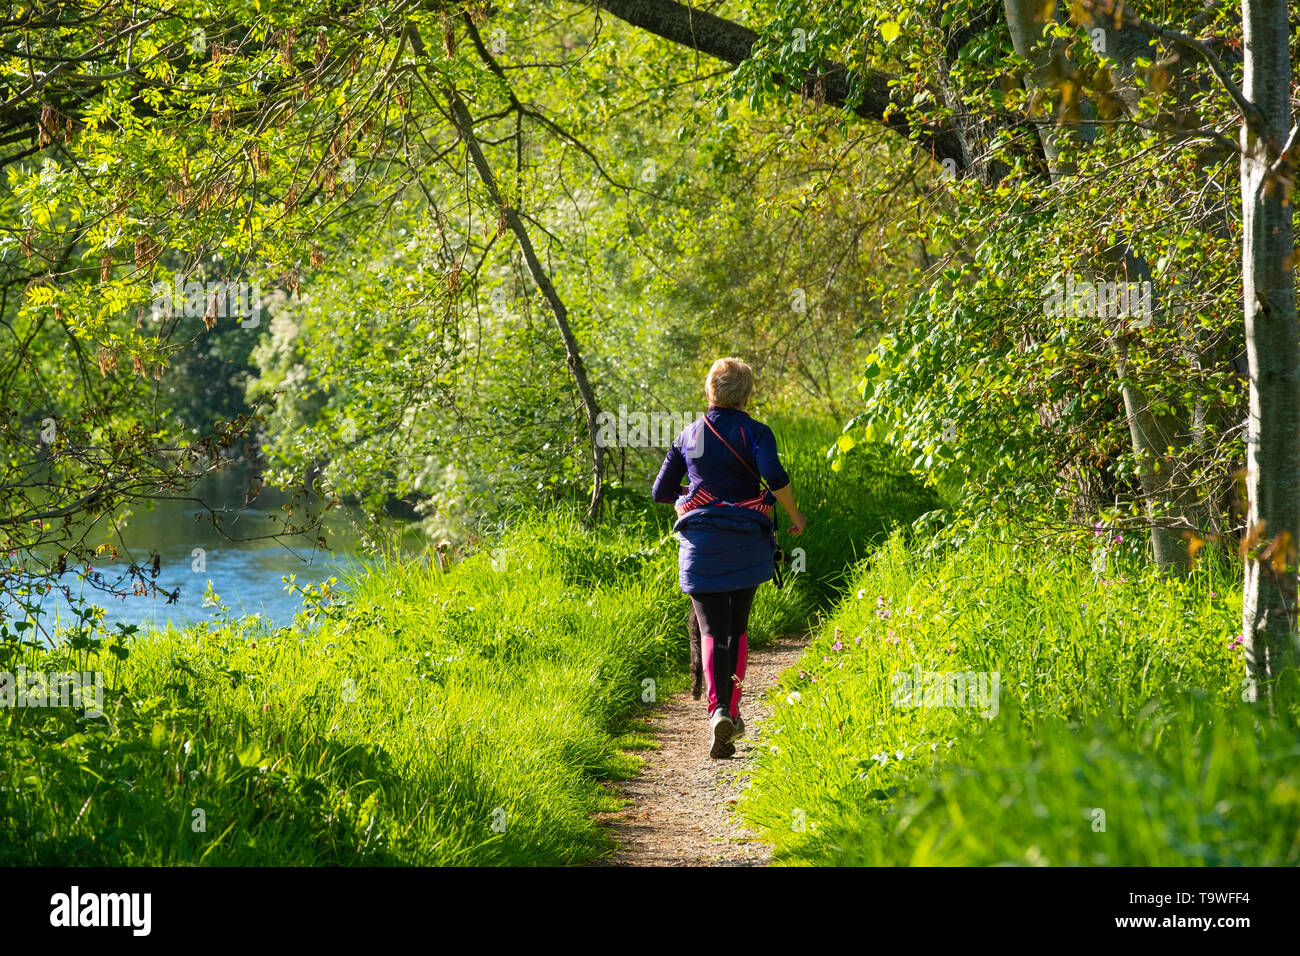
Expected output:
(794, 697)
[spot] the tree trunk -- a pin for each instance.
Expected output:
(464, 124)
(1026, 28)
(1150, 436)
(1273, 347)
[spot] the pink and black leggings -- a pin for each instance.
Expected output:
(724, 644)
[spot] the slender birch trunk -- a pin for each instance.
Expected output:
(1273, 349)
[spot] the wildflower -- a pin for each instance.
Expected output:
(837, 646)
(857, 640)
(802, 675)
(881, 758)
(862, 593)
(793, 698)
(1237, 642)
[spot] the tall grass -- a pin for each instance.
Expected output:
(432, 719)
(850, 511)
(466, 717)
(1118, 736)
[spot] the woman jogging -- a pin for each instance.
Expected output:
(724, 527)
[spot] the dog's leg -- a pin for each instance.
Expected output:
(697, 662)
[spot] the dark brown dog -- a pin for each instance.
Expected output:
(697, 660)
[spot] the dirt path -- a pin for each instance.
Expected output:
(680, 804)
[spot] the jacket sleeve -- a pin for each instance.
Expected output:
(769, 463)
(667, 487)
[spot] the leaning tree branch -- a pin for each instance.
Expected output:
(732, 43)
(464, 124)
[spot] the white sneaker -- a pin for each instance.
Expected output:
(721, 728)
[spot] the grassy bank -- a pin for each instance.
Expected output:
(429, 718)
(1117, 735)
(433, 719)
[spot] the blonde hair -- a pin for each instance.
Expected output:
(730, 383)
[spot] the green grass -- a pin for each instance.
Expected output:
(849, 512)
(472, 717)
(1119, 737)
(399, 728)
(478, 716)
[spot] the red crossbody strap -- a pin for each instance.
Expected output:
(736, 453)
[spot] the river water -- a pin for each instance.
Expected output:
(248, 573)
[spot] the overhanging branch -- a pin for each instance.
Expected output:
(733, 43)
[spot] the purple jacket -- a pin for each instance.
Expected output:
(698, 456)
(722, 547)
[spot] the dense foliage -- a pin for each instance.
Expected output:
(401, 254)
